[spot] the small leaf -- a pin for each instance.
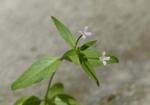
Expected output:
(56, 89)
(28, 100)
(64, 32)
(87, 67)
(37, 72)
(72, 56)
(87, 45)
(64, 99)
(113, 59)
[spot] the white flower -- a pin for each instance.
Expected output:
(85, 32)
(104, 58)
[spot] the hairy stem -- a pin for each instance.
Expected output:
(48, 87)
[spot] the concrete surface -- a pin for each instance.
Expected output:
(121, 26)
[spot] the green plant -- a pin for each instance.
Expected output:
(84, 55)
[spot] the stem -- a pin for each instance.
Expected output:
(78, 41)
(49, 85)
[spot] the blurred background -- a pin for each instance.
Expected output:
(121, 27)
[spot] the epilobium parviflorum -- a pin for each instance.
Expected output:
(84, 55)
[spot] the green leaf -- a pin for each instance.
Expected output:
(37, 72)
(28, 100)
(93, 56)
(88, 68)
(113, 60)
(64, 32)
(64, 99)
(72, 56)
(87, 45)
(56, 89)
(42, 103)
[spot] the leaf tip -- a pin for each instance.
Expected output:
(52, 17)
(98, 84)
(116, 59)
(13, 88)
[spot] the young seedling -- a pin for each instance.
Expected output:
(85, 55)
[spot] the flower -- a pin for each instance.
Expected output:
(85, 33)
(104, 58)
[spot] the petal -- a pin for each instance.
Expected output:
(104, 62)
(107, 58)
(88, 33)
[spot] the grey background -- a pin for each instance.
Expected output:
(121, 26)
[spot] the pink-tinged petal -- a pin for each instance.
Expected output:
(85, 33)
(88, 33)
